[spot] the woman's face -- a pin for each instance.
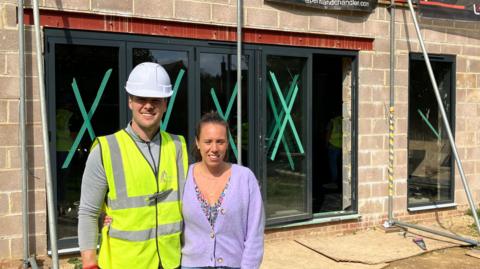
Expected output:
(212, 144)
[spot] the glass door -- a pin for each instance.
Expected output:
(286, 164)
(217, 78)
(177, 61)
(85, 101)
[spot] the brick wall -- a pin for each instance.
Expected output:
(11, 238)
(442, 36)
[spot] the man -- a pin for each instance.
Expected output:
(334, 146)
(136, 176)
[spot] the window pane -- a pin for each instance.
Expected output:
(218, 83)
(74, 72)
(286, 139)
(176, 65)
(430, 177)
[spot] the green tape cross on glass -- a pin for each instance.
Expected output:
(171, 102)
(86, 116)
(425, 119)
(287, 118)
(277, 123)
(226, 115)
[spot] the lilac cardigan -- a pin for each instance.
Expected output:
(237, 240)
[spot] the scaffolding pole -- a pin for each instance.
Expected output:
(444, 234)
(391, 119)
(450, 139)
(239, 81)
(52, 229)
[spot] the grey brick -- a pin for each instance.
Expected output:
(9, 180)
(261, 18)
(9, 16)
(225, 14)
(36, 202)
(193, 11)
(83, 5)
(293, 21)
(9, 87)
(157, 9)
(324, 22)
(113, 6)
(9, 134)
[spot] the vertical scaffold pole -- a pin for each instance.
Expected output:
(391, 118)
(52, 227)
(444, 117)
(239, 81)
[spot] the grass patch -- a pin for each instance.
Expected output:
(469, 212)
(75, 261)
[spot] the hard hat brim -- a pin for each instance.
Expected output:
(150, 94)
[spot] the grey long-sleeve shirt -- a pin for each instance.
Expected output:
(94, 188)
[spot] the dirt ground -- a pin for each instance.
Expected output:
(380, 250)
(441, 259)
(456, 257)
(449, 258)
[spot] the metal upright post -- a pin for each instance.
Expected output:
(444, 118)
(391, 119)
(52, 229)
(239, 81)
(23, 139)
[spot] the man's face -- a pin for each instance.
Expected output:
(147, 112)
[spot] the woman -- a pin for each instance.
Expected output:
(222, 205)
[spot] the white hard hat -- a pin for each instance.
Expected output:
(149, 80)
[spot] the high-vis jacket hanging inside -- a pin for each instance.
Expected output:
(63, 134)
(145, 208)
(336, 132)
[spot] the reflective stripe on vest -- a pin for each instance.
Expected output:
(182, 163)
(122, 200)
(144, 235)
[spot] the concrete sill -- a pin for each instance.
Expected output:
(430, 207)
(316, 221)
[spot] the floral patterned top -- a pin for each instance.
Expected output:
(211, 211)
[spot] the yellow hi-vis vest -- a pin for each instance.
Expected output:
(63, 134)
(145, 208)
(336, 132)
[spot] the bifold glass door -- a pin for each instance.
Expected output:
(177, 61)
(285, 156)
(291, 97)
(217, 78)
(84, 102)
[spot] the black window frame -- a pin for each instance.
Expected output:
(443, 58)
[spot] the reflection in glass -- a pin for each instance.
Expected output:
(218, 77)
(74, 63)
(285, 139)
(176, 65)
(430, 177)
